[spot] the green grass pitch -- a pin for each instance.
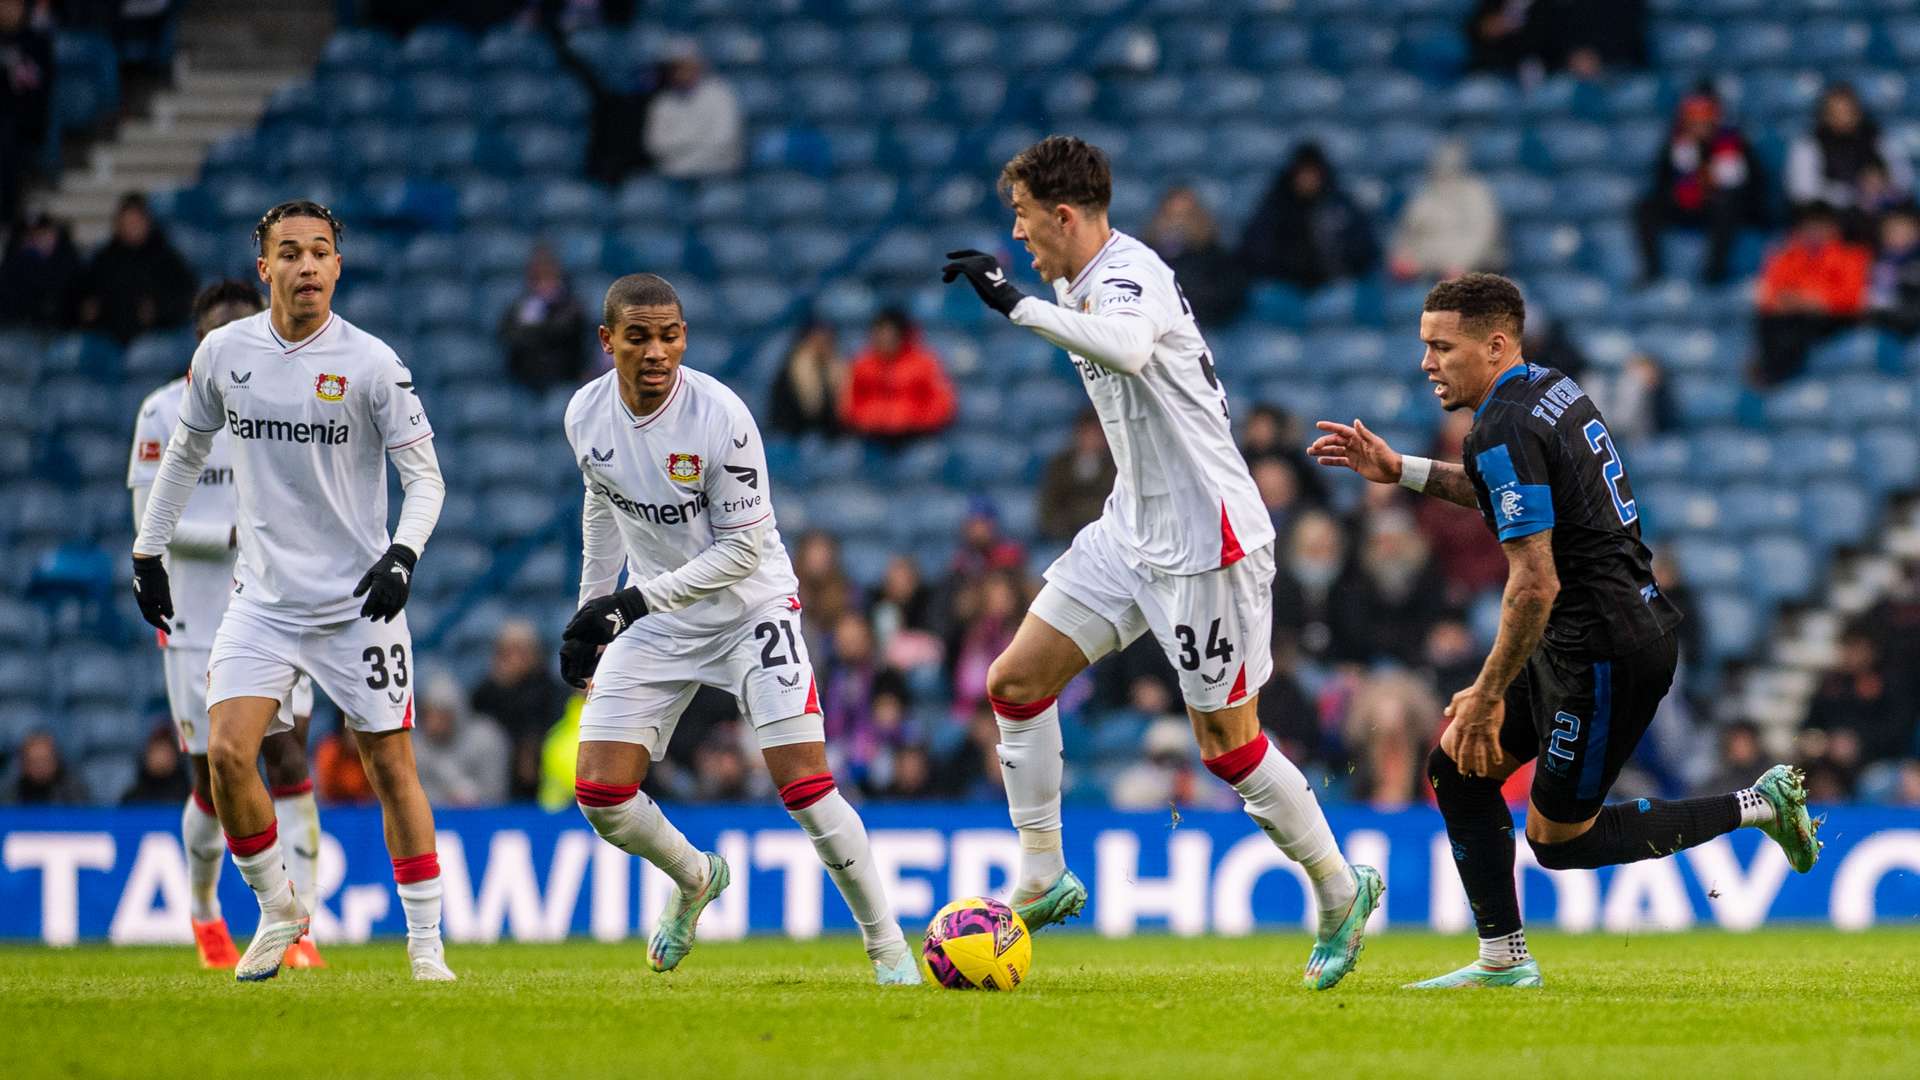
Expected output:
(1668, 1006)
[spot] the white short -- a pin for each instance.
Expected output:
(365, 667)
(1216, 627)
(648, 675)
(187, 697)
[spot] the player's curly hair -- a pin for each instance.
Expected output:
(226, 291)
(1060, 169)
(1481, 300)
(295, 208)
(640, 290)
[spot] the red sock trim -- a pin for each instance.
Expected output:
(806, 791)
(288, 791)
(416, 868)
(255, 844)
(1011, 710)
(205, 804)
(588, 793)
(1237, 764)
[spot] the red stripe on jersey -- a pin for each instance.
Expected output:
(161, 637)
(813, 697)
(1230, 552)
(806, 791)
(244, 846)
(1237, 764)
(747, 525)
(414, 868)
(406, 721)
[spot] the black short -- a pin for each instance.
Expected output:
(1583, 719)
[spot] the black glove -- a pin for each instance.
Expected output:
(387, 584)
(987, 277)
(597, 623)
(151, 591)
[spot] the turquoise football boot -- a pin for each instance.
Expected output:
(1784, 788)
(1336, 954)
(673, 939)
(1062, 900)
(903, 972)
(1477, 975)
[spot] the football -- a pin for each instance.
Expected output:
(977, 944)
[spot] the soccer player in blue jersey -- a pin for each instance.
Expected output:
(1586, 647)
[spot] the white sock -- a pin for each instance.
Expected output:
(206, 849)
(1754, 808)
(1030, 768)
(637, 827)
(266, 875)
(841, 839)
(1279, 798)
(421, 902)
(1505, 951)
(301, 816)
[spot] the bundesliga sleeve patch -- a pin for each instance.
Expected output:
(150, 450)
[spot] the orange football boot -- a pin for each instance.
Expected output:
(304, 954)
(215, 944)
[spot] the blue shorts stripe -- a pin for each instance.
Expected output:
(1593, 757)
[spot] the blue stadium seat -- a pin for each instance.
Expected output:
(899, 94)
(1343, 46)
(1804, 401)
(1684, 45)
(1838, 514)
(1386, 94)
(1301, 94)
(1804, 453)
(1729, 454)
(437, 47)
(1755, 44)
(1828, 42)
(1891, 457)
(159, 356)
(1710, 564)
(438, 95)
(1750, 509)
(1869, 399)
(879, 43)
(359, 49)
(1733, 624)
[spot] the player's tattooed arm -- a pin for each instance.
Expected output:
(1477, 713)
(1449, 481)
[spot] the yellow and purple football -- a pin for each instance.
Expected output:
(977, 944)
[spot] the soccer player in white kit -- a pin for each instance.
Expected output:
(314, 407)
(1183, 548)
(677, 492)
(200, 564)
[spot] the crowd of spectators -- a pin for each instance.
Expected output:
(135, 282)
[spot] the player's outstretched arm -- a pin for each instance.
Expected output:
(1122, 341)
(1353, 446)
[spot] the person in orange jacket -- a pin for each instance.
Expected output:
(1811, 287)
(897, 388)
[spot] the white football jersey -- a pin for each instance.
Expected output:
(309, 425)
(1184, 501)
(691, 469)
(200, 586)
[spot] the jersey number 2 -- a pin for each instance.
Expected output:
(1602, 443)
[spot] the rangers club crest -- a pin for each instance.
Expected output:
(330, 387)
(683, 468)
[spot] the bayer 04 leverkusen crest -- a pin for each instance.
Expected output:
(330, 387)
(683, 468)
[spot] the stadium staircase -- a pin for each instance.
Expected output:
(232, 56)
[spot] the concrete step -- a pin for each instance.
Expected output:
(187, 129)
(201, 82)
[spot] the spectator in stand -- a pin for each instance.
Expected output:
(523, 697)
(847, 685)
(1905, 789)
(1187, 239)
(1831, 762)
(1740, 759)
(1707, 177)
(693, 129)
(985, 636)
(1635, 398)
(825, 592)
(1390, 597)
(896, 389)
(1857, 698)
(1391, 725)
(1473, 562)
(1894, 295)
(984, 548)
(463, 759)
(1303, 599)
(806, 393)
(38, 274)
(1845, 161)
(912, 775)
(137, 281)
(1306, 231)
(159, 778)
(26, 91)
(1451, 225)
(1271, 431)
(1278, 483)
(338, 775)
(544, 330)
(720, 769)
(1075, 484)
(1580, 37)
(41, 777)
(902, 604)
(1286, 712)
(1811, 287)
(1452, 655)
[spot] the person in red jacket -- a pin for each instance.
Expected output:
(896, 388)
(1707, 177)
(1812, 286)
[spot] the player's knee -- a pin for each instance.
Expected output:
(603, 805)
(227, 756)
(1566, 855)
(1443, 774)
(1011, 680)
